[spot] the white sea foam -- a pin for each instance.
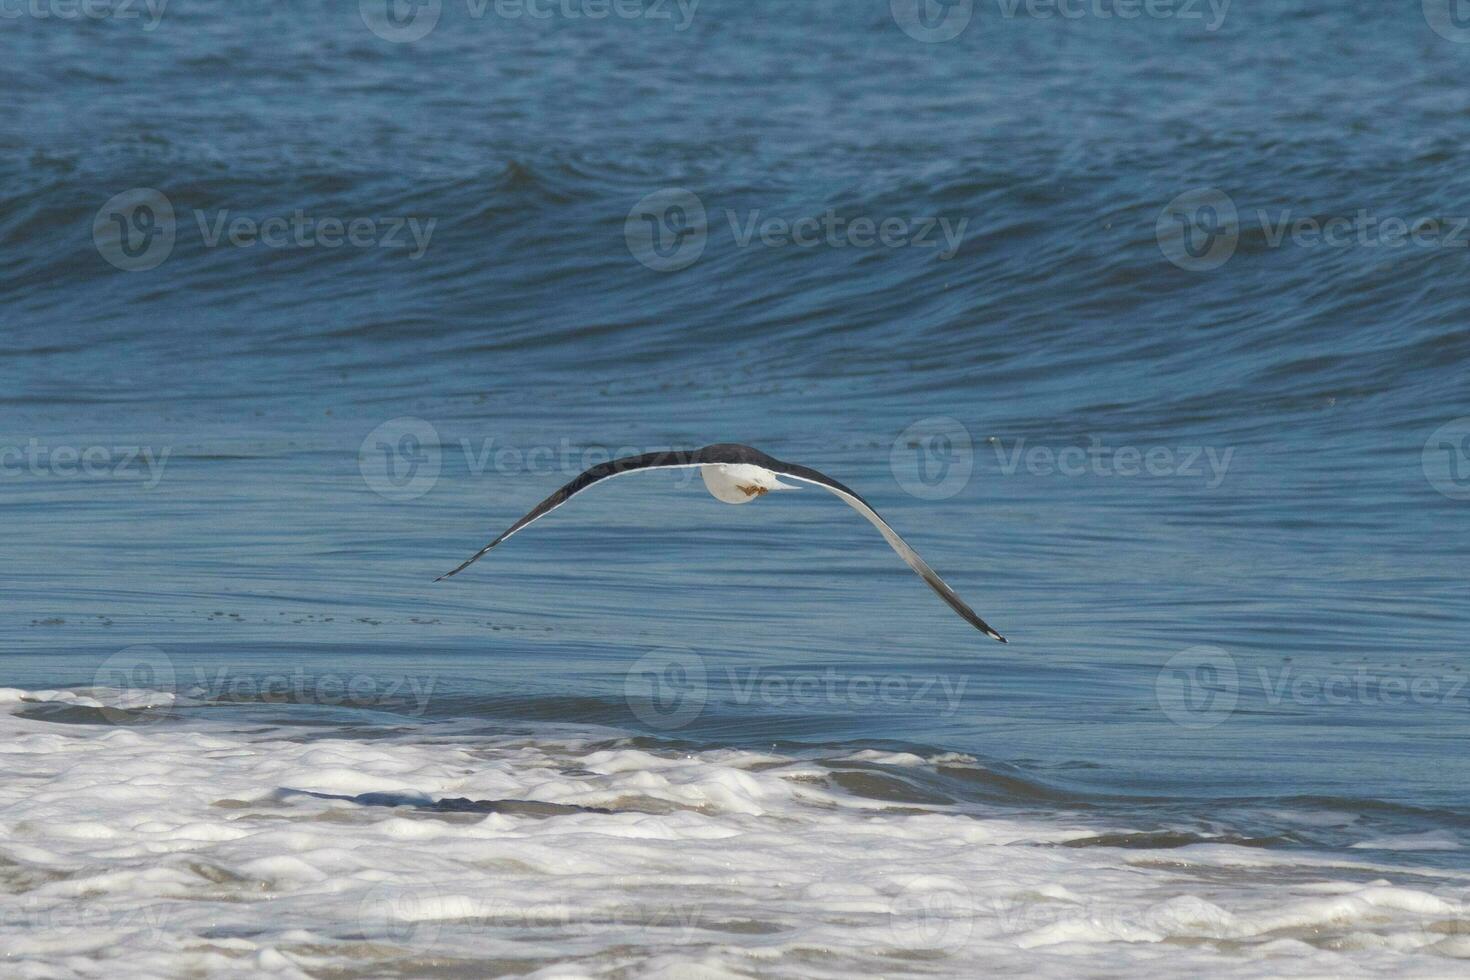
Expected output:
(1430, 841)
(204, 849)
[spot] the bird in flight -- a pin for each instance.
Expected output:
(736, 474)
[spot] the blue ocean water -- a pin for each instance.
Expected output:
(1149, 333)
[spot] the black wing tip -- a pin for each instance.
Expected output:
(457, 570)
(992, 634)
(483, 552)
(451, 574)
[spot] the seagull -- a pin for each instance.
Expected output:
(736, 474)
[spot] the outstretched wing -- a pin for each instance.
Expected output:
(598, 473)
(808, 475)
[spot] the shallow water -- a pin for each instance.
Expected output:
(1219, 512)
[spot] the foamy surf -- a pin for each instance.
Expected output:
(194, 848)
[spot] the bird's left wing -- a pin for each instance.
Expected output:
(808, 475)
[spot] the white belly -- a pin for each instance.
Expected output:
(739, 483)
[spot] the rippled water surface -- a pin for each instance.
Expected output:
(1149, 333)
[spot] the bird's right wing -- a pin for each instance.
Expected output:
(598, 473)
